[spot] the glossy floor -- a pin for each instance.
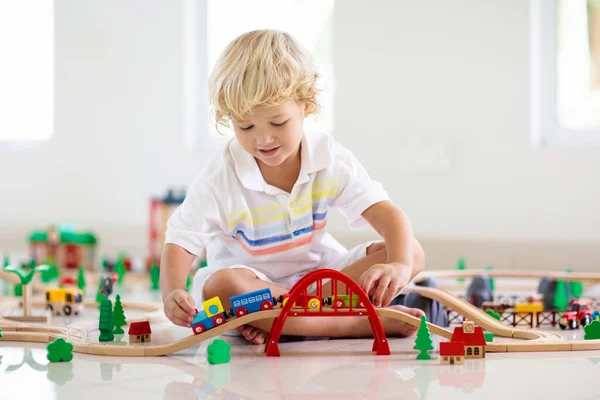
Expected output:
(317, 369)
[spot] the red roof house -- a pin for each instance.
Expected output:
(472, 337)
(140, 332)
(452, 352)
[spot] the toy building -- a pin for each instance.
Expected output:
(140, 332)
(452, 353)
(472, 337)
(64, 247)
(161, 209)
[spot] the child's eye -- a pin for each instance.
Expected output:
(246, 128)
(281, 124)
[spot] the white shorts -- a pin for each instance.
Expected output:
(348, 258)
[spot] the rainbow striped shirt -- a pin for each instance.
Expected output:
(241, 220)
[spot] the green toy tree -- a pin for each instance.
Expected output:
(491, 280)
(26, 277)
(6, 262)
(461, 266)
(219, 352)
(51, 274)
(493, 314)
(0, 333)
(561, 301)
(592, 331)
(99, 296)
(119, 317)
(81, 284)
(155, 277)
(423, 342)
(18, 290)
(59, 351)
(105, 324)
(120, 269)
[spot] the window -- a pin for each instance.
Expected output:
(445, 358)
(26, 70)
(469, 351)
(476, 351)
(565, 74)
(69, 298)
(309, 21)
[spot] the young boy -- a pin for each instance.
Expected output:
(260, 206)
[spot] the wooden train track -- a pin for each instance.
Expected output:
(535, 340)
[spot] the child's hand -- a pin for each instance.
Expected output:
(385, 280)
(180, 308)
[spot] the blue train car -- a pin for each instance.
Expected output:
(251, 302)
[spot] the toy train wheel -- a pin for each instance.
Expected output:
(241, 311)
(361, 304)
(266, 305)
(562, 326)
(67, 310)
(339, 303)
(49, 307)
(313, 304)
(573, 324)
(198, 329)
(218, 320)
(585, 320)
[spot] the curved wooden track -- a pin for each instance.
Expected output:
(535, 340)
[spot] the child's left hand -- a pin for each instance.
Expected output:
(386, 280)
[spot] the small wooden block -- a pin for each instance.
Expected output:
(586, 345)
(534, 347)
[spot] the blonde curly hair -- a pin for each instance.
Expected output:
(262, 68)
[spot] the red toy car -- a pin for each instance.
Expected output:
(580, 314)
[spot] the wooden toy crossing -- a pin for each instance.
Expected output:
(533, 340)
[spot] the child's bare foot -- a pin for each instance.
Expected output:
(391, 326)
(394, 327)
(252, 334)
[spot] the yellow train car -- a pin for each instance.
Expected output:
(64, 300)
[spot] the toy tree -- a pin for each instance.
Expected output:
(155, 277)
(26, 278)
(50, 274)
(99, 295)
(461, 266)
(0, 333)
(592, 331)
(120, 269)
(423, 342)
(493, 314)
(59, 351)
(491, 280)
(81, 284)
(6, 262)
(105, 324)
(119, 316)
(219, 352)
(561, 301)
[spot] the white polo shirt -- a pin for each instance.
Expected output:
(240, 219)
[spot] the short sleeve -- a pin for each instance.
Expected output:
(196, 222)
(357, 191)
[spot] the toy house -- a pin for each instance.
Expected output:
(161, 209)
(452, 353)
(63, 247)
(472, 337)
(140, 332)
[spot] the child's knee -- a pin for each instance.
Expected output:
(227, 282)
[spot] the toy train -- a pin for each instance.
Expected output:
(213, 313)
(64, 300)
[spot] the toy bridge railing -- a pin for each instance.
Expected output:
(513, 318)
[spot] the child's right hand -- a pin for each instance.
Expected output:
(180, 308)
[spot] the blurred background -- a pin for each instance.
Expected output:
(480, 118)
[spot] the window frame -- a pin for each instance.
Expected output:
(546, 130)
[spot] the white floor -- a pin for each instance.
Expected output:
(327, 369)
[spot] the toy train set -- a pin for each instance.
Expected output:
(213, 314)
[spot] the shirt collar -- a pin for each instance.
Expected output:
(315, 153)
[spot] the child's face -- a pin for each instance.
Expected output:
(272, 134)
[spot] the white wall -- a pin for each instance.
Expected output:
(432, 97)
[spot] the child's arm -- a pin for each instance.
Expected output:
(175, 268)
(395, 228)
